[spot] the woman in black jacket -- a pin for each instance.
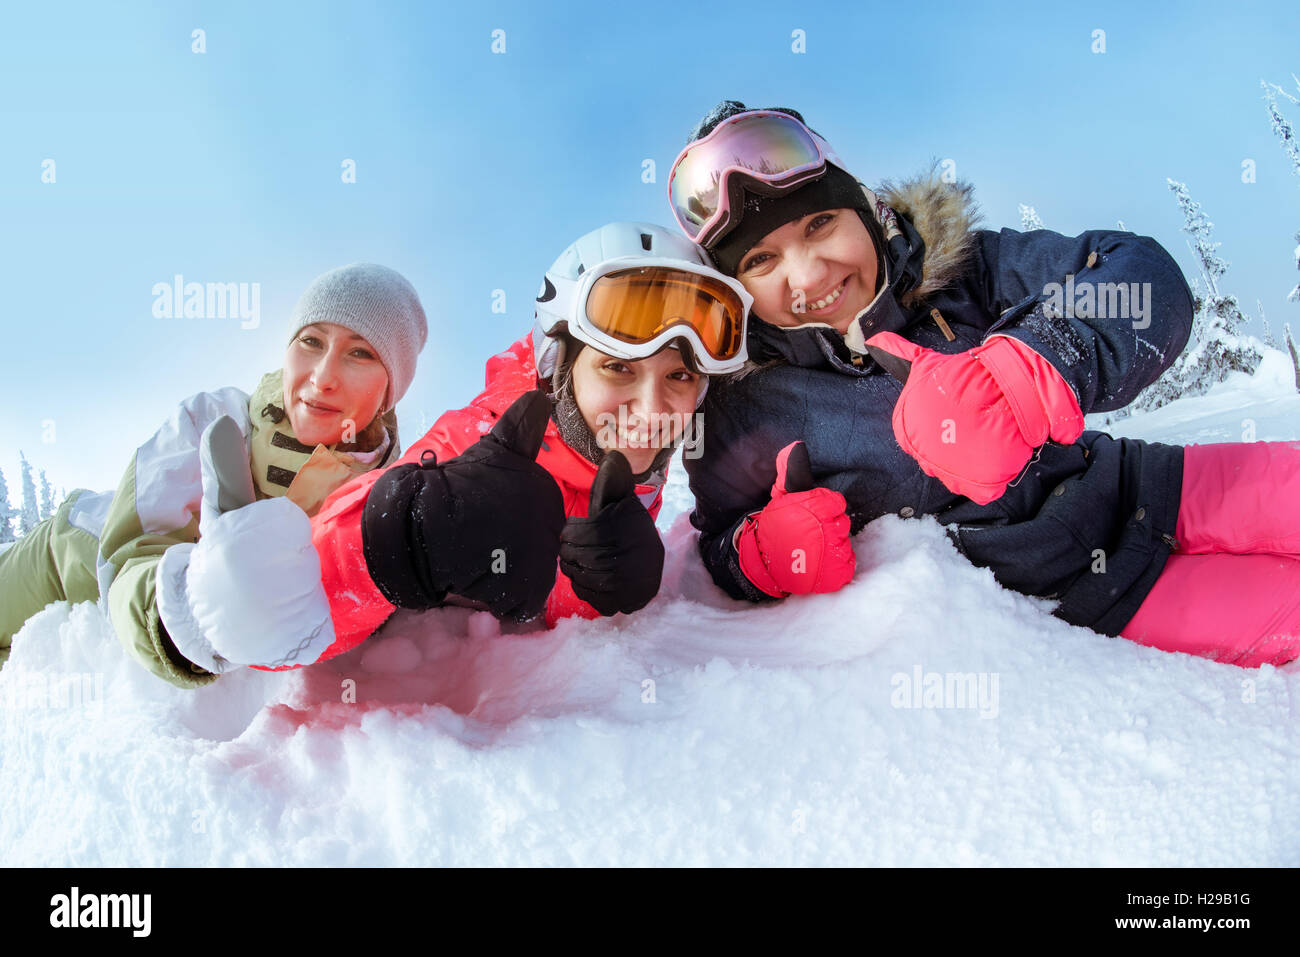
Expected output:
(928, 367)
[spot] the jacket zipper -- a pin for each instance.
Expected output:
(942, 324)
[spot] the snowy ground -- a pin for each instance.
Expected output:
(699, 731)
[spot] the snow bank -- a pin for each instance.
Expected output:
(923, 715)
(1263, 407)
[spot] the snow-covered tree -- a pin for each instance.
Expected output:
(1218, 345)
(29, 517)
(1272, 343)
(1281, 126)
(1283, 130)
(1295, 355)
(1029, 218)
(1294, 294)
(7, 513)
(1268, 330)
(47, 498)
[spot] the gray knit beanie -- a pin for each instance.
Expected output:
(375, 302)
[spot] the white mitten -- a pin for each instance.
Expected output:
(249, 593)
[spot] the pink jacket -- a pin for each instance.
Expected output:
(356, 604)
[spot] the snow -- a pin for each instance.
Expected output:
(1263, 407)
(824, 730)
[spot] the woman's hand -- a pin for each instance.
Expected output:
(249, 592)
(799, 543)
(484, 525)
(614, 556)
(972, 420)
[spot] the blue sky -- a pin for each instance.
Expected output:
(474, 169)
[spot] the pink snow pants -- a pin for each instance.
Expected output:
(1231, 591)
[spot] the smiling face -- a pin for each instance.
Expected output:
(819, 268)
(334, 383)
(636, 406)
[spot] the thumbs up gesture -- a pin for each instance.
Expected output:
(614, 556)
(972, 420)
(484, 525)
(799, 543)
(249, 592)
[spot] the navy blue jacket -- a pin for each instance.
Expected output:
(1090, 524)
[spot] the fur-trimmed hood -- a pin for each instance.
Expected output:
(929, 231)
(946, 216)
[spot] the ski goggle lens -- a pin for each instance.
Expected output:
(636, 305)
(768, 147)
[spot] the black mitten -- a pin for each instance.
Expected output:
(614, 557)
(485, 525)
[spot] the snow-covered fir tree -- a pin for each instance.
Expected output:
(1294, 294)
(47, 498)
(1281, 126)
(1218, 345)
(1272, 343)
(1029, 218)
(29, 516)
(7, 513)
(1286, 133)
(1268, 330)
(1295, 354)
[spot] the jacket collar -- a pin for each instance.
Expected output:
(275, 453)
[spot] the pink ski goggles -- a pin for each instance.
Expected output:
(761, 150)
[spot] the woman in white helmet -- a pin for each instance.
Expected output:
(559, 462)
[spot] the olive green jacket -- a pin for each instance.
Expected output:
(122, 535)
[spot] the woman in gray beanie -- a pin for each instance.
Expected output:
(324, 417)
(374, 303)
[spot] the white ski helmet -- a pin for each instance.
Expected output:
(621, 248)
